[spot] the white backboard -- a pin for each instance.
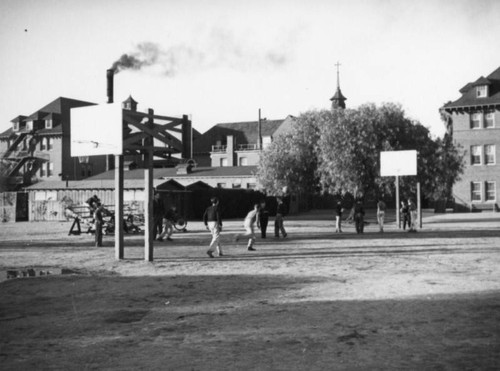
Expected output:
(97, 130)
(398, 163)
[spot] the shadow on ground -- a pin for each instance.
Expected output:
(235, 322)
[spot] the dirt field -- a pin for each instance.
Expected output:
(314, 301)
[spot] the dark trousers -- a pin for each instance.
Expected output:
(359, 222)
(98, 234)
(157, 226)
(263, 226)
(406, 221)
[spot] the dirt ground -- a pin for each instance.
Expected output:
(313, 301)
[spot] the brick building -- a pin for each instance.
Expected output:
(238, 143)
(474, 122)
(37, 147)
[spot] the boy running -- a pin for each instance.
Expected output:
(249, 225)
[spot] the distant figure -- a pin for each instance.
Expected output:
(278, 220)
(92, 203)
(381, 214)
(263, 219)
(158, 212)
(338, 217)
(99, 221)
(168, 224)
(413, 215)
(405, 215)
(249, 225)
(359, 216)
(213, 222)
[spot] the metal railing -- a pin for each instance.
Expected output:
(249, 147)
(219, 148)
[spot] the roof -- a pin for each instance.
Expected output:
(134, 179)
(469, 97)
(55, 108)
(171, 173)
(338, 95)
(243, 132)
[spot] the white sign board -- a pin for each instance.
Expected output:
(97, 130)
(398, 163)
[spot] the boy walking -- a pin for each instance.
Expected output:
(249, 225)
(381, 214)
(359, 216)
(263, 219)
(278, 220)
(168, 224)
(213, 222)
(99, 221)
(338, 217)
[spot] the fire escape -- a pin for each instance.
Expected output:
(19, 164)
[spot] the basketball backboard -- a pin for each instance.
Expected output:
(97, 130)
(398, 163)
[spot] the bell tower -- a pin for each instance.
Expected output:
(338, 100)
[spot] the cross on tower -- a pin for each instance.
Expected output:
(338, 78)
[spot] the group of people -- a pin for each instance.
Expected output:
(408, 213)
(258, 215)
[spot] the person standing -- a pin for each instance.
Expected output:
(98, 222)
(413, 215)
(158, 212)
(263, 218)
(213, 223)
(359, 216)
(381, 214)
(249, 225)
(405, 215)
(278, 220)
(168, 224)
(338, 217)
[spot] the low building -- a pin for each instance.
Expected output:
(473, 120)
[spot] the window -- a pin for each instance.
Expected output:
(221, 185)
(251, 185)
(223, 161)
(42, 171)
(25, 144)
(490, 191)
(266, 141)
(489, 154)
(475, 121)
(50, 169)
(489, 120)
(16, 126)
(43, 144)
(475, 153)
(243, 161)
(48, 124)
(50, 143)
(237, 185)
(29, 125)
(86, 170)
(482, 91)
(475, 192)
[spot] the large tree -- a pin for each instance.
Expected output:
(340, 150)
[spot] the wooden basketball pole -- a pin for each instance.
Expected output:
(148, 191)
(119, 241)
(398, 221)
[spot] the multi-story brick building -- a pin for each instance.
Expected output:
(238, 143)
(474, 122)
(37, 147)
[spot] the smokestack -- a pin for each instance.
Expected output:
(110, 74)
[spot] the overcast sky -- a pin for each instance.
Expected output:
(222, 60)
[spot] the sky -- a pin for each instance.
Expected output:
(221, 60)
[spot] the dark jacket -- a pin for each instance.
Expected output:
(212, 214)
(359, 209)
(280, 209)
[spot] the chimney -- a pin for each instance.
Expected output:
(110, 74)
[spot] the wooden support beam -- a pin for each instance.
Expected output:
(148, 191)
(119, 240)
(187, 137)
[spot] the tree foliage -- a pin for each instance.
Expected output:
(340, 150)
